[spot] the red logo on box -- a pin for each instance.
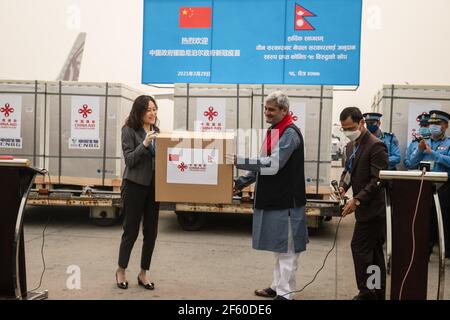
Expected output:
(294, 117)
(7, 110)
(174, 157)
(182, 167)
(211, 113)
(85, 110)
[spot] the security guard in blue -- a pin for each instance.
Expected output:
(423, 133)
(437, 151)
(373, 123)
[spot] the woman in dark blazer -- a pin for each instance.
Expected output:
(138, 188)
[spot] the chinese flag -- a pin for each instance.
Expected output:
(195, 17)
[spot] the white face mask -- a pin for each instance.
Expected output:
(352, 135)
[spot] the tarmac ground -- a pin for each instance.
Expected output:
(216, 262)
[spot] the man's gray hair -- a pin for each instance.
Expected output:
(279, 98)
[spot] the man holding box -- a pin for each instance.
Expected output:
(279, 219)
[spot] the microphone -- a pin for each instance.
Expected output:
(335, 185)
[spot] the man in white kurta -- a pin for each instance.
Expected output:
(279, 220)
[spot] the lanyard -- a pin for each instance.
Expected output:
(349, 162)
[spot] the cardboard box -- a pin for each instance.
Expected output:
(190, 167)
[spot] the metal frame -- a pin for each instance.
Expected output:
(319, 138)
(313, 207)
(440, 225)
(392, 108)
(388, 243)
(105, 135)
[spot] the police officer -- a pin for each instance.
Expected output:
(437, 151)
(373, 123)
(423, 133)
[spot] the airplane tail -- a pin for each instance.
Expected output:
(71, 68)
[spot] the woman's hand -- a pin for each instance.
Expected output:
(151, 135)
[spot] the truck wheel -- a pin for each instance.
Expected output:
(191, 221)
(104, 216)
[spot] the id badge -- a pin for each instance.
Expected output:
(347, 178)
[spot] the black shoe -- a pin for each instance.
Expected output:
(148, 286)
(280, 298)
(266, 293)
(121, 285)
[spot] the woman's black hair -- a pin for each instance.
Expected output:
(139, 108)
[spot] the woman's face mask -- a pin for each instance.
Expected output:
(435, 130)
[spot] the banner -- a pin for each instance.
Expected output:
(84, 123)
(192, 166)
(311, 42)
(210, 115)
(10, 121)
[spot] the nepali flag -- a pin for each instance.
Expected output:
(300, 22)
(195, 17)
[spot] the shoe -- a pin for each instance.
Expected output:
(266, 293)
(148, 286)
(280, 298)
(121, 285)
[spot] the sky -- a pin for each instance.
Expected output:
(402, 42)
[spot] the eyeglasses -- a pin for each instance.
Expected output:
(348, 129)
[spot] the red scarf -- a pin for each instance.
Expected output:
(269, 143)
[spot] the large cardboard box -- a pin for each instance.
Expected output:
(73, 129)
(190, 167)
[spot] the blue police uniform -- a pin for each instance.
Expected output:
(440, 157)
(391, 142)
(411, 162)
(389, 139)
(423, 122)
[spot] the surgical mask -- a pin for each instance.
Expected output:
(424, 132)
(352, 135)
(435, 130)
(372, 128)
